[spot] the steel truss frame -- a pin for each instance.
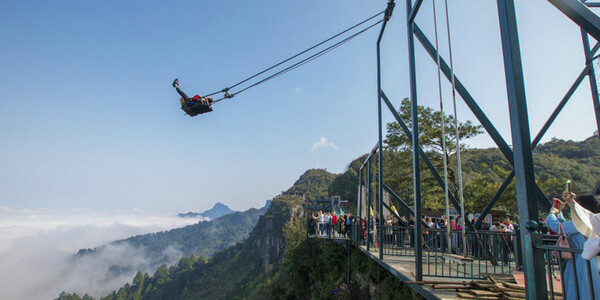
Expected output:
(529, 195)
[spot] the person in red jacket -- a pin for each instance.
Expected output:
(187, 101)
(363, 224)
(333, 222)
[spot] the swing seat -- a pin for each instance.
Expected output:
(196, 108)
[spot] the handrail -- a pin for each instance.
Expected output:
(373, 151)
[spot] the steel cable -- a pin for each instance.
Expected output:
(304, 61)
(297, 55)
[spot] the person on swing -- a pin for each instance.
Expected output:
(189, 102)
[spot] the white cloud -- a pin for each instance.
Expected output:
(41, 250)
(323, 143)
(4, 209)
(297, 90)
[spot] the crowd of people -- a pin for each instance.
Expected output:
(580, 271)
(328, 224)
(399, 232)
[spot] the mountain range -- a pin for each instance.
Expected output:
(276, 261)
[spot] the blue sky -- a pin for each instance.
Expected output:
(88, 117)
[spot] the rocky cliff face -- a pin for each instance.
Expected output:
(272, 248)
(268, 235)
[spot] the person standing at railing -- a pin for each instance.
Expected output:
(425, 232)
(454, 237)
(362, 224)
(321, 223)
(506, 228)
(396, 232)
(411, 229)
(348, 225)
(495, 240)
(473, 241)
(430, 234)
(442, 224)
(587, 222)
(341, 223)
(374, 231)
(315, 221)
(576, 240)
(333, 223)
(403, 223)
(328, 219)
(458, 234)
(389, 237)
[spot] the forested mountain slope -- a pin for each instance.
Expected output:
(154, 249)
(313, 184)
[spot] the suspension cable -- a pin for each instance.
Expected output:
(292, 57)
(444, 151)
(456, 130)
(304, 61)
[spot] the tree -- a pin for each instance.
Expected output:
(399, 171)
(162, 274)
(138, 286)
(294, 231)
(430, 130)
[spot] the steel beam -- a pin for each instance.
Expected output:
(580, 14)
(415, 139)
(592, 4)
(369, 156)
(389, 11)
(592, 77)
(413, 12)
(560, 106)
(535, 276)
(596, 47)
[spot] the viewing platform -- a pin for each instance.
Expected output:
(489, 267)
(432, 287)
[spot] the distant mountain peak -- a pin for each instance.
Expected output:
(218, 210)
(220, 205)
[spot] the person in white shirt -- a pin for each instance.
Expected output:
(328, 218)
(321, 223)
(506, 240)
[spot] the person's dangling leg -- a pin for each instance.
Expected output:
(180, 92)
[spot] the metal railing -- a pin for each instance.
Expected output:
(565, 279)
(570, 278)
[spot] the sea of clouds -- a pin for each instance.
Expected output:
(38, 247)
